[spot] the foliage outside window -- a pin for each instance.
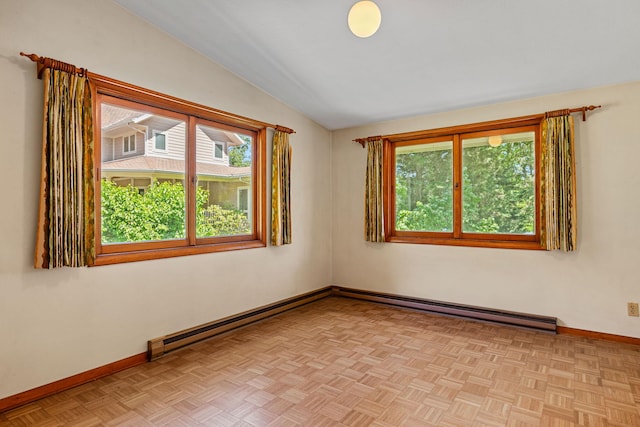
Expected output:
(474, 186)
(169, 197)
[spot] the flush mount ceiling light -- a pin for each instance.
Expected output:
(364, 18)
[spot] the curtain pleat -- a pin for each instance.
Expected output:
(281, 190)
(373, 209)
(558, 182)
(65, 234)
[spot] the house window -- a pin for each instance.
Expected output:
(219, 150)
(129, 144)
(160, 141)
(187, 206)
(474, 185)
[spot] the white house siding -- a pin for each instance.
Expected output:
(113, 148)
(175, 132)
(205, 151)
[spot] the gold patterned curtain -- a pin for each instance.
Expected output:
(558, 182)
(281, 190)
(373, 206)
(65, 235)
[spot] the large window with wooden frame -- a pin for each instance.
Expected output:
(475, 185)
(174, 196)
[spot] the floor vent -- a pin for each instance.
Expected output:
(530, 321)
(162, 345)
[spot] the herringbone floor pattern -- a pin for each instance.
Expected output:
(340, 362)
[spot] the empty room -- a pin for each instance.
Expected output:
(280, 213)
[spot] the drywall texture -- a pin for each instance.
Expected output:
(587, 289)
(55, 324)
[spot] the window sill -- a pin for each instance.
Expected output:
(145, 255)
(500, 244)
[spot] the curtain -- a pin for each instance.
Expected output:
(281, 190)
(373, 206)
(65, 234)
(558, 182)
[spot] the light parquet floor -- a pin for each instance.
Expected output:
(341, 362)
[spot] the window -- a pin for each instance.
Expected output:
(175, 202)
(129, 144)
(474, 185)
(219, 149)
(160, 141)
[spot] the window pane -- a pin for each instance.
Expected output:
(218, 152)
(161, 141)
(424, 192)
(142, 194)
(498, 192)
(220, 210)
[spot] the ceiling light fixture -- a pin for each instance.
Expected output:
(364, 18)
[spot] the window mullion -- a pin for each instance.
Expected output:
(457, 186)
(191, 181)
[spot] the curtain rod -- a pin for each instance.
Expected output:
(548, 114)
(43, 63)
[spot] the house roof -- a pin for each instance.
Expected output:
(114, 119)
(162, 165)
(112, 116)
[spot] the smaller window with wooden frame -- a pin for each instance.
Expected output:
(472, 185)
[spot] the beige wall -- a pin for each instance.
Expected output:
(54, 324)
(587, 289)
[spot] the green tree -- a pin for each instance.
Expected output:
(424, 195)
(217, 221)
(498, 188)
(240, 155)
(159, 213)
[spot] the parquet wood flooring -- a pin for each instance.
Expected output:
(341, 362)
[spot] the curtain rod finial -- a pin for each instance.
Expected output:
(589, 108)
(284, 129)
(31, 56)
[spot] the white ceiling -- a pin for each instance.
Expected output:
(428, 56)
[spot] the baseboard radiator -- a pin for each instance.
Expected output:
(160, 346)
(530, 321)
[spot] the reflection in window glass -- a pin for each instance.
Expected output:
(142, 196)
(220, 208)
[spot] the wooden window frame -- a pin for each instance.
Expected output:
(193, 114)
(457, 237)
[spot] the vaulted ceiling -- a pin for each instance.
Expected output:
(428, 55)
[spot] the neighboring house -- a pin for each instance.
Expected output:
(140, 148)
